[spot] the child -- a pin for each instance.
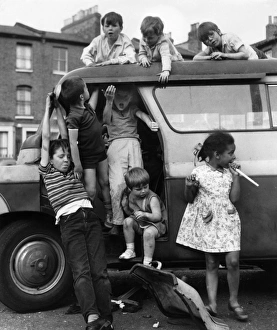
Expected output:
(124, 150)
(146, 214)
(156, 47)
(221, 46)
(85, 136)
(79, 225)
(211, 222)
(112, 47)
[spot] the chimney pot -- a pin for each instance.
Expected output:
(275, 20)
(269, 20)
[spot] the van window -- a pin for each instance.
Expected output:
(204, 108)
(272, 90)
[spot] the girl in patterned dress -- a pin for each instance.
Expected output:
(211, 222)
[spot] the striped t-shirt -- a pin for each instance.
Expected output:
(62, 188)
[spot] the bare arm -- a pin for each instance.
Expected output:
(61, 123)
(191, 188)
(45, 133)
(155, 215)
(235, 189)
(145, 118)
(73, 138)
(107, 113)
(94, 98)
(201, 56)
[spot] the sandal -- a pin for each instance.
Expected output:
(239, 312)
(210, 311)
(128, 254)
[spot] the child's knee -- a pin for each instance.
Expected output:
(128, 223)
(149, 235)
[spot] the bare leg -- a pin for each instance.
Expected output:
(149, 239)
(128, 230)
(90, 182)
(233, 276)
(212, 264)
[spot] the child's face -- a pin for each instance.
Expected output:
(111, 31)
(228, 156)
(213, 39)
(61, 160)
(151, 38)
(140, 191)
(122, 99)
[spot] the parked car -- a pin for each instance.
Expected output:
(240, 96)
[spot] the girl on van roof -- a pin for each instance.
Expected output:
(211, 222)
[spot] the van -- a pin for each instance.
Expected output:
(239, 96)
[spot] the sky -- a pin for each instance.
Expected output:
(246, 18)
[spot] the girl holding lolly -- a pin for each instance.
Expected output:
(211, 222)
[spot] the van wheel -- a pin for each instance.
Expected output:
(34, 274)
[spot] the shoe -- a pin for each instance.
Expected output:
(115, 231)
(73, 309)
(99, 324)
(109, 221)
(210, 311)
(239, 312)
(156, 264)
(128, 254)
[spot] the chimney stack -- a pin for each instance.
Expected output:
(271, 28)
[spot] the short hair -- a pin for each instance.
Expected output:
(216, 141)
(112, 18)
(205, 28)
(125, 88)
(136, 177)
(152, 23)
(56, 144)
(71, 89)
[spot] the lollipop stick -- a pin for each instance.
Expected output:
(247, 177)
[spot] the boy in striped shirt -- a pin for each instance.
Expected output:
(80, 227)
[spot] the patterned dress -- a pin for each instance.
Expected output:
(222, 233)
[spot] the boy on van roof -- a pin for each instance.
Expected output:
(156, 47)
(112, 47)
(221, 46)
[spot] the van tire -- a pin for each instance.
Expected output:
(34, 275)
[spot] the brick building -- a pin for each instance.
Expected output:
(31, 64)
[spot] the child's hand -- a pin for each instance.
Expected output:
(191, 181)
(217, 56)
(104, 63)
(145, 62)
(153, 126)
(78, 172)
(109, 94)
(233, 167)
(139, 215)
(163, 79)
(208, 217)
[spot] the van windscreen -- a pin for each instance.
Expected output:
(209, 107)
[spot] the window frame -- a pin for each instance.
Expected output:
(24, 102)
(59, 60)
(25, 59)
(10, 142)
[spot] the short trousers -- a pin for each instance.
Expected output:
(91, 161)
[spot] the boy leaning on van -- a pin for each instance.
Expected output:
(224, 46)
(112, 47)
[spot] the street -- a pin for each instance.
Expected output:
(258, 296)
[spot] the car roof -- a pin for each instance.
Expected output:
(187, 70)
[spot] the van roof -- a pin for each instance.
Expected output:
(187, 70)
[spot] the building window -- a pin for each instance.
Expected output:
(24, 57)
(23, 101)
(3, 144)
(60, 60)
